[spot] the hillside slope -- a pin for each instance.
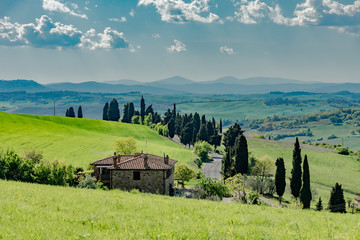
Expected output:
(79, 141)
(32, 211)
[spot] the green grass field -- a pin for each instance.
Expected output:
(32, 211)
(79, 141)
(326, 166)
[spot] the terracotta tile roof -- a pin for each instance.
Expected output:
(137, 162)
(357, 198)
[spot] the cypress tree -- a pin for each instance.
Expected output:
(211, 131)
(71, 112)
(203, 119)
(125, 115)
(231, 134)
(142, 108)
(305, 192)
(178, 122)
(196, 126)
(186, 134)
(203, 133)
(114, 112)
(171, 127)
(226, 165)
(319, 206)
(167, 116)
(280, 181)
(220, 126)
(149, 109)
(241, 155)
(105, 112)
(215, 139)
(214, 123)
(67, 113)
(174, 112)
(80, 114)
(131, 111)
(295, 180)
(337, 202)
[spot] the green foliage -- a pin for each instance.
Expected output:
(184, 172)
(280, 177)
(231, 134)
(125, 146)
(253, 198)
(263, 167)
(135, 119)
(113, 111)
(241, 155)
(203, 134)
(148, 119)
(80, 113)
(235, 184)
(71, 112)
(319, 206)
(226, 165)
(33, 156)
(337, 202)
(106, 112)
(305, 192)
(142, 108)
(213, 187)
(343, 150)
(161, 129)
(295, 179)
(87, 182)
(202, 149)
(171, 127)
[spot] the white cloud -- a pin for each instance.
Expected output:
(57, 6)
(132, 12)
(334, 7)
(156, 35)
(227, 50)
(45, 33)
(178, 47)
(134, 48)
(180, 11)
(122, 19)
(252, 12)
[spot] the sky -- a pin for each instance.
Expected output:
(146, 40)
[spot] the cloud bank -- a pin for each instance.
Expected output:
(177, 47)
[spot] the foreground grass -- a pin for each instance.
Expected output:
(31, 211)
(79, 141)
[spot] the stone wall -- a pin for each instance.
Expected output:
(150, 181)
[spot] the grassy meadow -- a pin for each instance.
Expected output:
(33, 211)
(79, 141)
(326, 166)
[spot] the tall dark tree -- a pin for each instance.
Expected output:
(178, 124)
(203, 119)
(142, 108)
(280, 181)
(106, 112)
(231, 134)
(174, 112)
(71, 112)
(125, 115)
(215, 139)
(305, 192)
(220, 126)
(203, 133)
(337, 202)
(226, 165)
(214, 123)
(149, 109)
(67, 113)
(80, 113)
(196, 126)
(156, 117)
(131, 110)
(114, 112)
(171, 127)
(241, 155)
(167, 116)
(211, 131)
(295, 179)
(186, 134)
(319, 206)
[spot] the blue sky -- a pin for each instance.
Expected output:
(145, 40)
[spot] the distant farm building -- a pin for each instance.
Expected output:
(145, 172)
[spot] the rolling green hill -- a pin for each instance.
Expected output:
(33, 211)
(79, 141)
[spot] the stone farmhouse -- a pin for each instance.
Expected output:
(145, 172)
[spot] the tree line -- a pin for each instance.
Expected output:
(71, 113)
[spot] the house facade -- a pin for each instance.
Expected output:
(145, 172)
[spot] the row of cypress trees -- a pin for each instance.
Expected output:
(71, 113)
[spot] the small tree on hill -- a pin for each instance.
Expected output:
(142, 108)
(184, 172)
(131, 110)
(106, 112)
(337, 202)
(80, 113)
(305, 192)
(319, 206)
(295, 180)
(67, 113)
(71, 112)
(125, 146)
(241, 155)
(114, 112)
(280, 181)
(125, 116)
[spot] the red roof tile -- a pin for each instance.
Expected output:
(357, 198)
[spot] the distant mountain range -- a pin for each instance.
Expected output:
(180, 85)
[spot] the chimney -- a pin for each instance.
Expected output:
(118, 158)
(146, 159)
(166, 159)
(114, 159)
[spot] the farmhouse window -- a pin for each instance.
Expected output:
(136, 176)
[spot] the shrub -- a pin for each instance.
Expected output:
(87, 182)
(125, 146)
(202, 149)
(332, 136)
(135, 119)
(184, 172)
(253, 198)
(343, 150)
(213, 187)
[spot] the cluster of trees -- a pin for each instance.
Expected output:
(32, 168)
(71, 113)
(111, 111)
